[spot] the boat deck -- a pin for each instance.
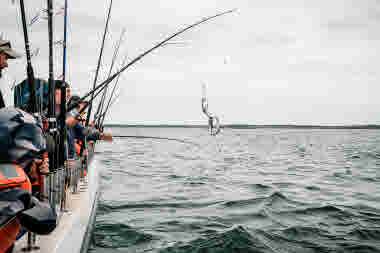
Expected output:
(73, 231)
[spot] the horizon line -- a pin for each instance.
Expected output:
(253, 126)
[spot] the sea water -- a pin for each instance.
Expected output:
(245, 190)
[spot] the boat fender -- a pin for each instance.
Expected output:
(41, 219)
(12, 202)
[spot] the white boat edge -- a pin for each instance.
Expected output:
(73, 232)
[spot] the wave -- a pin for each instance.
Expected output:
(276, 201)
(104, 208)
(302, 232)
(236, 240)
(117, 235)
(360, 248)
(365, 234)
(260, 187)
(239, 240)
(371, 154)
(319, 211)
(199, 225)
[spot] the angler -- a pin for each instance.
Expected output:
(6, 52)
(77, 131)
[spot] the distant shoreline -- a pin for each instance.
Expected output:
(238, 126)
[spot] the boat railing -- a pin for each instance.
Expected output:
(56, 188)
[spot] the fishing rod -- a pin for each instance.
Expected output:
(111, 104)
(139, 57)
(103, 98)
(99, 60)
(52, 102)
(112, 93)
(32, 105)
(52, 127)
(73, 106)
(98, 90)
(105, 91)
(63, 107)
(116, 52)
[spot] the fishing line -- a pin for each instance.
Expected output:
(155, 137)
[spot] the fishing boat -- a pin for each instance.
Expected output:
(70, 189)
(76, 220)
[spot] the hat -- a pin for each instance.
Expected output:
(74, 100)
(59, 84)
(5, 47)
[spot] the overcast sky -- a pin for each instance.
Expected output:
(272, 62)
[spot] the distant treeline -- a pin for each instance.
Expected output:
(241, 126)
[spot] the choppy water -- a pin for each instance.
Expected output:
(243, 191)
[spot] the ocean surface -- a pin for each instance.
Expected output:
(246, 190)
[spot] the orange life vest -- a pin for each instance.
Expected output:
(11, 175)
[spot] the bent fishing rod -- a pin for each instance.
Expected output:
(142, 55)
(87, 105)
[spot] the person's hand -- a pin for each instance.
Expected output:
(71, 120)
(42, 166)
(106, 137)
(39, 166)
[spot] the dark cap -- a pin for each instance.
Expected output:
(60, 84)
(74, 100)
